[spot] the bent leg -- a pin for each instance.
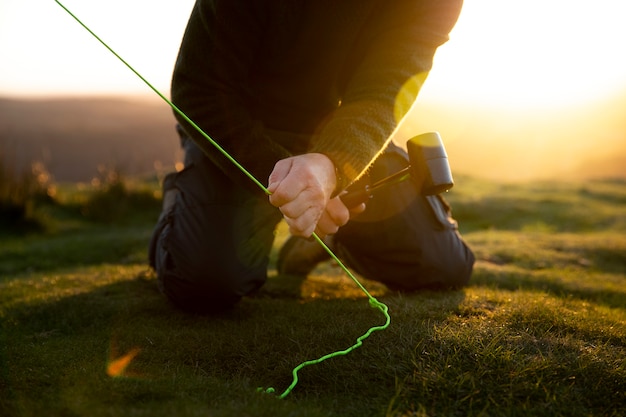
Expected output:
(212, 246)
(403, 239)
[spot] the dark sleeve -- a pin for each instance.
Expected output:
(209, 86)
(394, 62)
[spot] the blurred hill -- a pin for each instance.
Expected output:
(73, 136)
(572, 142)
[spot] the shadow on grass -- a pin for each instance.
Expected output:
(511, 373)
(63, 349)
(434, 357)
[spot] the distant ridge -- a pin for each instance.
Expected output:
(72, 136)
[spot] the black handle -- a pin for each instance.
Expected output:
(354, 198)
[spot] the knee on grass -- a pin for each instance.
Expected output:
(448, 275)
(198, 291)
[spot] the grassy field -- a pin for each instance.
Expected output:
(541, 330)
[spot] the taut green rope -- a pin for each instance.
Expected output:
(374, 303)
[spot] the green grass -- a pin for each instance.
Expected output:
(541, 330)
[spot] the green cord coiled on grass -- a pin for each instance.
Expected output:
(374, 303)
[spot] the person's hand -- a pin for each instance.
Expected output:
(301, 187)
(334, 216)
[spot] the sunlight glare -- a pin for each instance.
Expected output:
(50, 53)
(533, 53)
(116, 367)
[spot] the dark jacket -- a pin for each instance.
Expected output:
(271, 78)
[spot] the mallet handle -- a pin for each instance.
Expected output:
(356, 197)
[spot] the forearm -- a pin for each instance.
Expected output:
(385, 83)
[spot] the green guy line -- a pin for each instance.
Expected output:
(176, 109)
(374, 303)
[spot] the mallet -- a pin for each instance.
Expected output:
(429, 170)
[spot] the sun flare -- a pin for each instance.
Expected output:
(515, 53)
(532, 53)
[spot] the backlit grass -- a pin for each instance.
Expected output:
(541, 330)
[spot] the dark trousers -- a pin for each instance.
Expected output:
(211, 247)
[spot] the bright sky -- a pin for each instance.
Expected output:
(502, 52)
(44, 51)
(533, 52)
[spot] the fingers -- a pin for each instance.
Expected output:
(295, 202)
(301, 211)
(295, 186)
(358, 209)
(300, 187)
(281, 193)
(335, 216)
(303, 225)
